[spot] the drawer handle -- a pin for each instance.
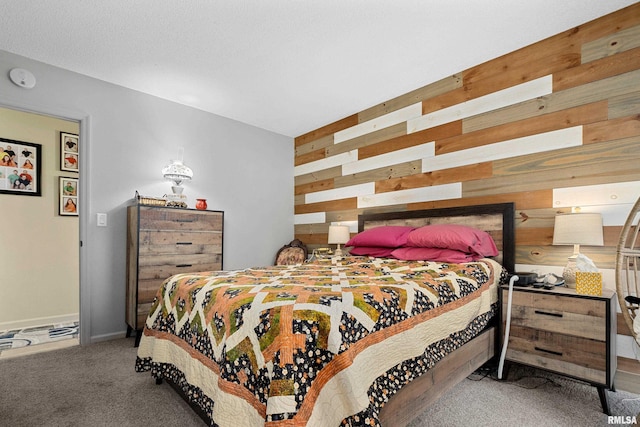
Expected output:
(184, 265)
(185, 220)
(184, 243)
(546, 313)
(557, 353)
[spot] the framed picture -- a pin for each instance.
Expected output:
(20, 167)
(69, 148)
(68, 196)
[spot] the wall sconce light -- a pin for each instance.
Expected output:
(338, 234)
(577, 229)
(177, 172)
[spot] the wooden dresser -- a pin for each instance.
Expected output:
(162, 242)
(564, 332)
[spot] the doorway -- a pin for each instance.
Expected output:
(40, 246)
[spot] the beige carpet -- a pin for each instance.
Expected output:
(97, 386)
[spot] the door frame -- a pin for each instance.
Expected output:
(84, 121)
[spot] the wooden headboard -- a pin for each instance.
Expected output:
(496, 219)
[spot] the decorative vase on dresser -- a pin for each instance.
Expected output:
(161, 242)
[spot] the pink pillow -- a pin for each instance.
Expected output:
(386, 236)
(453, 236)
(433, 254)
(371, 251)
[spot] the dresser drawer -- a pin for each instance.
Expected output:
(179, 219)
(154, 242)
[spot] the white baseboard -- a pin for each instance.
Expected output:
(39, 321)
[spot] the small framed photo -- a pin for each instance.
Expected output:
(20, 167)
(69, 149)
(68, 196)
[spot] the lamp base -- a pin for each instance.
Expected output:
(569, 272)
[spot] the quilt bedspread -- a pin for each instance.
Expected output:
(321, 344)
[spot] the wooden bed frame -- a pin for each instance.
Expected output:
(497, 220)
(413, 399)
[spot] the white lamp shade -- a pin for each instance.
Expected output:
(338, 234)
(177, 172)
(578, 229)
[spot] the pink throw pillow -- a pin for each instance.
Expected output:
(433, 254)
(386, 236)
(453, 236)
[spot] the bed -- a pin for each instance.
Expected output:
(356, 340)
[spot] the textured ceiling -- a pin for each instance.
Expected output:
(289, 66)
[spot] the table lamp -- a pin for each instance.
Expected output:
(577, 229)
(177, 172)
(338, 234)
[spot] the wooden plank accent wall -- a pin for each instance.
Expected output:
(553, 126)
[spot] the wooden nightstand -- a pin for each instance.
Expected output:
(564, 332)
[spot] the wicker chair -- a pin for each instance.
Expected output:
(628, 271)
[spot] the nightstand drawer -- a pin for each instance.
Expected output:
(560, 314)
(567, 348)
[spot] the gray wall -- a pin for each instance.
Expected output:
(128, 137)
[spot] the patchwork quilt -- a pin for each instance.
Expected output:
(319, 344)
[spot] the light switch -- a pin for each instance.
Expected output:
(102, 219)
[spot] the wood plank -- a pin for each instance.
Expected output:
(551, 55)
(609, 24)
(489, 102)
(317, 176)
(429, 91)
(584, 114)
(588, 157)
(607, 174)
(410, 140)
(613, 44)
(412, 195)
(624, 105)
(399, 170)
(522, 200)
(543, 236)
(603, 257)
(382, 122)
(326, 163)
(325, 184)
(597, 70)
(406, 155)
(534, 236)
(309, 157)
(623, 329)
(445, 176)
(628, 375)
(333, 205)
(321, 143)
(327, 130)
(624, 127)
(367, 139)
(591, 92)
(574, 166)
